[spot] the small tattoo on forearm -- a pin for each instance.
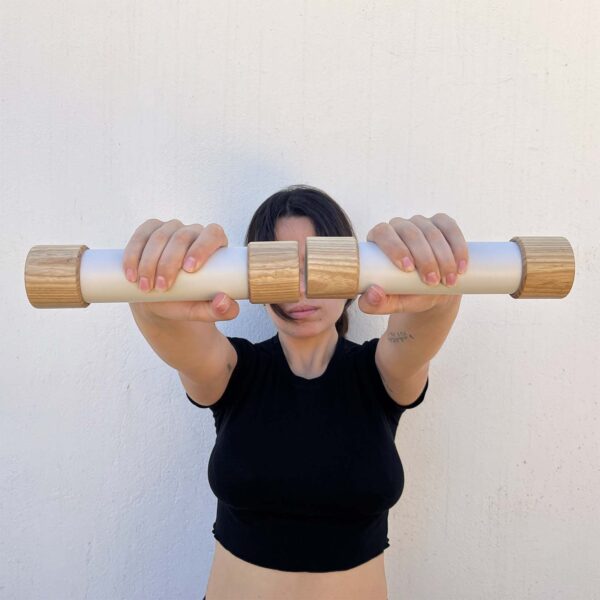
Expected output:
(399, 336)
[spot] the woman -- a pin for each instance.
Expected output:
(304, 467)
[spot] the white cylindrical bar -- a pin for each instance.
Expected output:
(103, 280)
(74, 276)
(493, 268)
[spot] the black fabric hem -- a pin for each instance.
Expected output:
(297, 543)
(196, 403)
(420, 397)
(280, 566)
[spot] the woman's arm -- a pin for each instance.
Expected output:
(202, 355)
(182, 333)
(407, 346)
(419, 323)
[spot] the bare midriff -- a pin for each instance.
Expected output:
(232, 578)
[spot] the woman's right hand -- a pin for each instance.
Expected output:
(158, 250)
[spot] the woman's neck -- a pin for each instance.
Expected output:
(309, 356)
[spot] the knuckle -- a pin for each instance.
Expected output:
(219, 232)
(215, 228)
(380, 226)
(402, 224)
(198, 230)
(443, 219)
(412, 234)
(434, 234)
(182, 234)
(160, 235)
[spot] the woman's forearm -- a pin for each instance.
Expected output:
(415, 338)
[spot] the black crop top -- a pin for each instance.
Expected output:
(305, 470)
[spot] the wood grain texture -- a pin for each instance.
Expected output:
(273, 272)
(332, 267)
(52, 276)
(548, 267)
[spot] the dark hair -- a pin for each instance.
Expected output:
(327, 216)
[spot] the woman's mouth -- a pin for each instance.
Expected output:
(303, 312)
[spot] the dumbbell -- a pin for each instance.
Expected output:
(74, 276)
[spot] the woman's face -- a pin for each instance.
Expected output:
(327, 310)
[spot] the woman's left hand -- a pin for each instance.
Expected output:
(436, 246)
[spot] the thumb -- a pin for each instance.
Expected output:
(375, 301)
(224, 308)
(209, 312)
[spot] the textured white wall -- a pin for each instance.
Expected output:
(116, 112)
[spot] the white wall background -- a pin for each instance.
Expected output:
(116, 112)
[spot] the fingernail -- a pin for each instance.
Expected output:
(462, 266)
(144, 284)
(130, 275)
(189, 264)
(374, 297)
(407, 263)
(432, 278)
(450, 279)
(222, 305)
(161, 284)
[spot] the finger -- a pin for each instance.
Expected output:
(375, 301)
(135, 246)
(173, 255)
(397, 303)
(455, 238)
(386, 237)
(152, 251)
(211, 239)
(420, 247)
(220, 308)
(439, 245)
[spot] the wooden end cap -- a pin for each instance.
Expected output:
(273, 272)
(52, 276)
(548, 267)
(332, 267)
